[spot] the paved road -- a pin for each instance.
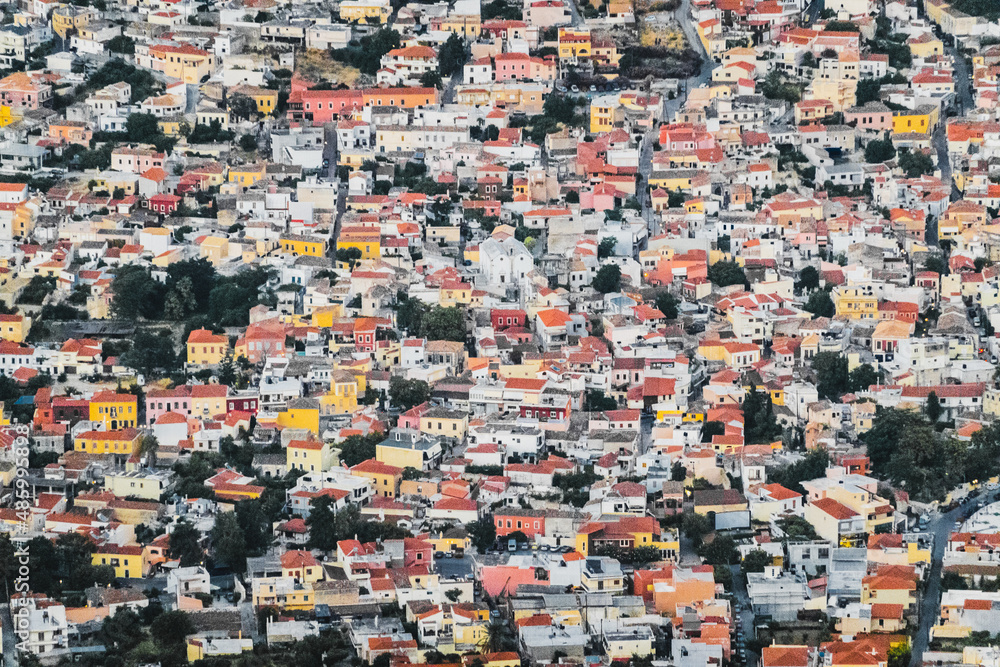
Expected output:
(670, 107)
(746, 615)
(941, 528)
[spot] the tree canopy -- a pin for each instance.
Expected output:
(726, 273)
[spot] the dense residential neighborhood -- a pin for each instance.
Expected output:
(500, 333)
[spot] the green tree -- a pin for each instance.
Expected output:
(255, 526)
(228, 541)
(122, 44)
(936, 263)
(149, 446)
(597, 401)
(142, 127)
(933, 407)
(451, 56)
(696, 527)
(248, 143)
(720, 551)
(357, 448)
(185, 544)
(322, 517)
(726, 273)
(820, 304)
(879, 150)
(863, 377)
(916, 163)
(442, 323)
(405, 394)
(810, 466)
(808, 278)
(758, 415)
(667, 304)
(180, 300)
(832, 377)
(607, 247)
(483, 533)
(171, 628)
(121, 632)
(242, 107)
(431, 79)
(608, 279)
(151, 353)
(755, 561)
(135, 294)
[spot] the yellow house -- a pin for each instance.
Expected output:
(127, 560)
(455, 292)
(574, 43)
(463, 25)
(342, 399)
(445, 423)
(7, 116)
(889, 585)
(14, 327)
(265, 98)
(301, 566)
(926, 46)
(385, 478)
(70, 17)
(201, 647)
(284, 593)
(185, 62)
(301, 413)
(451, 539)
(122, 442)
(173, 127)
(214, 248)
(603, 111)
(369, 243)
(247, 174)
(923, 120)
(857, 302)
(137, 484)
(367, 11)
(309, 246)
(115, 411)
(205, 348)
(309, 455)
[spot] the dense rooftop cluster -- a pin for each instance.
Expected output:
(515, 333)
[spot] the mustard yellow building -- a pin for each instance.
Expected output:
(115, 411)
(301, 413)
(445, 423)
(857, 302)
(366, 11)
(574, 43)
(246, 174)
(70, 17)
(14, 327)
(185, 62)
(385, 478)
(205, 348)
(369, 243)
(309, 455)
(127, 560)
(342, 399)
(122, 442)
(300, 245)
(922, 120)
(265, 98)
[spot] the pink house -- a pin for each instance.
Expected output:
(522, 67)
(411, 418)
(161, 401)
(602, 197)
(873, 116)
(24, 91)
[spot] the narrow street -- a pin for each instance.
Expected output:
(941, 528)
(670, 107)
